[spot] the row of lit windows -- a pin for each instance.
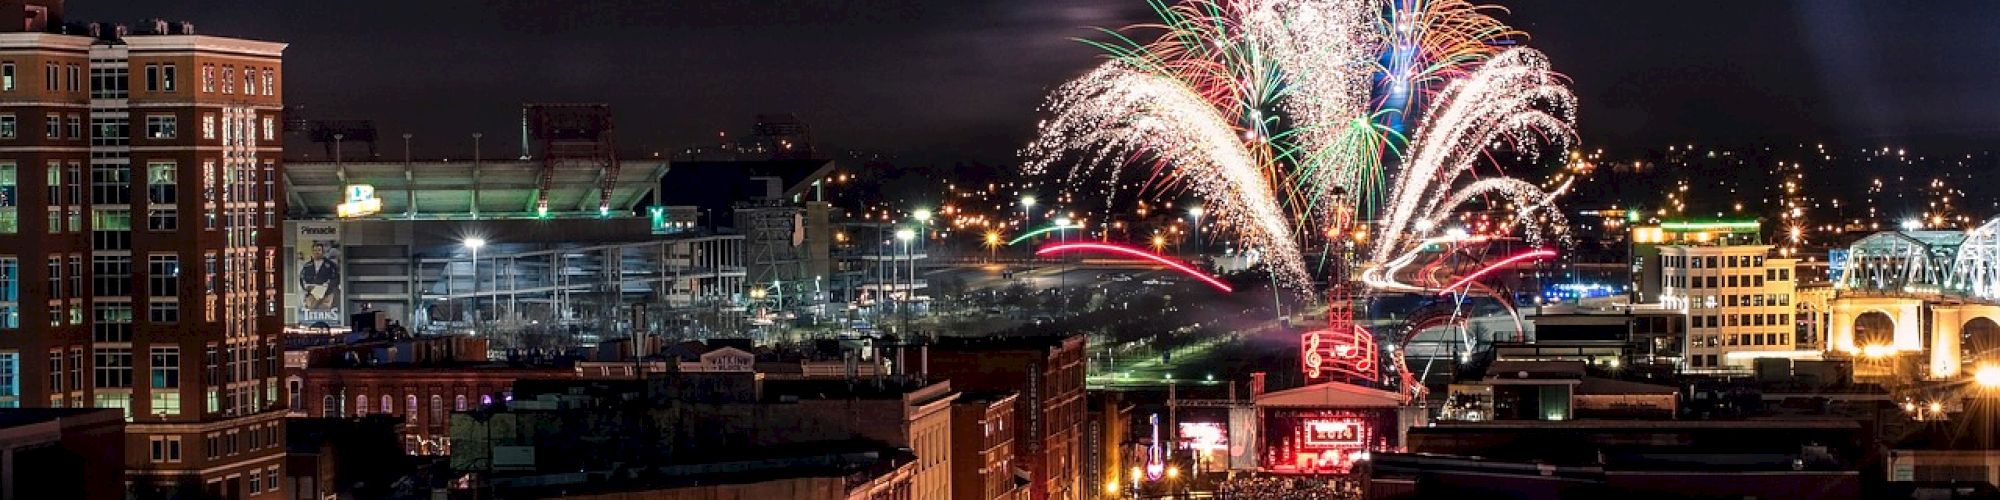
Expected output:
(113, 83)
(1714, 321)
(117, 131)
(230, 443)
(267, 483)
(111, 187)
(1714, 261)
(112, 372)
(1759, 339)
(330, 406)
(252, 85)
(1732, 281)
(1750, 300)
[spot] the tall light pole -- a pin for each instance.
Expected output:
(473, 244)
(905, 235)
(923, 217)
(337, 166)
(1197, 212)
(409, 180)
(1027, 212)
(1062, 225)
(475, 175)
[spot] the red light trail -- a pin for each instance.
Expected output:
(1182, 267)
(1482, 272)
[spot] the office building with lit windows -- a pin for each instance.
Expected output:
(1738, 303)
(138, 242)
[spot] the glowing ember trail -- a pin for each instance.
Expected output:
(1176, 265)
(1489, 269)
(1042, 231)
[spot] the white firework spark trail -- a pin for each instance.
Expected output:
(1327, 52)
(1117, 110)
(1263, 108)
(1515, 101)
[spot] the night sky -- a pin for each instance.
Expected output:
(960, 80)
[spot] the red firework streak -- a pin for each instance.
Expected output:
(1343, 351)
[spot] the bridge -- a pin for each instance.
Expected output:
(1931, 295)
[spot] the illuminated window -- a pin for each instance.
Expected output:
(161, 127)
(10, 379)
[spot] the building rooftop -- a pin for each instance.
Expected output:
(1517, 370)
(445, 189)
(851, 459)
(1950, 436)
(16, 417)
(977, 397)
(890, 387)
(1607, 386)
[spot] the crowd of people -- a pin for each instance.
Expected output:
(1290, 488)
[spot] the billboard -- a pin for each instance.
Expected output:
(1330, 441)
(316, 253)
(1243, 428)
(361, 201)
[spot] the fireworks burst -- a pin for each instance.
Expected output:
(1282, 114)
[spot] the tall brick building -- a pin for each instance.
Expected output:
(1048, 374)
(139, 241)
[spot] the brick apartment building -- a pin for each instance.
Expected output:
(420, 381)
(1048, 374)
(138, 241)
(982, 451)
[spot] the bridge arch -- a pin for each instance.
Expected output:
(1980, 339)
(1874, 328)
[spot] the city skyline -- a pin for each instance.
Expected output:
(1032, 250)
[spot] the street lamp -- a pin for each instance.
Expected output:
(1136, 474)
(474, 244)
(992, 244)
(1062, 223)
